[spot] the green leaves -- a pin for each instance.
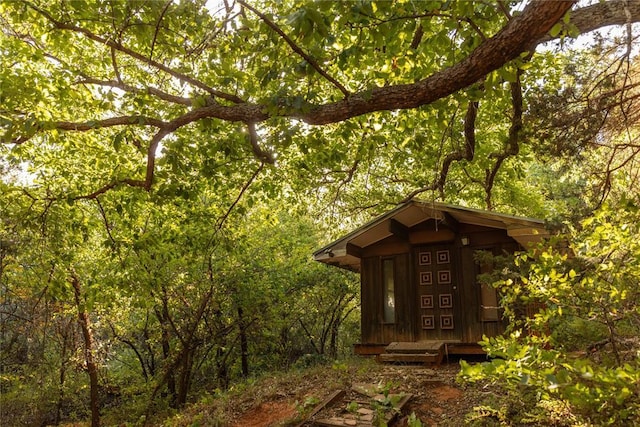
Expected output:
(167, 60)
(308, 20)
(571, 316)
(556, 29)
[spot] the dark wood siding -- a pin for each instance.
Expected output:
(473, 329)
(497, 242)
(370, 314)
(374, 329)
(469, 324)
(405, 300)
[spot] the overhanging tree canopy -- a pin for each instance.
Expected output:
(117, 80)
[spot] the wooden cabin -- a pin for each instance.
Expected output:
(419, 275)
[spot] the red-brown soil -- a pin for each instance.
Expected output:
(266, 414)
(287, 398)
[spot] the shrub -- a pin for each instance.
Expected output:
(575, 358)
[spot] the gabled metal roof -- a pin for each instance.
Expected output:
(523, 230)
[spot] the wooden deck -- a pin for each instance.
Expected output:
(451, 348)
(426, 352)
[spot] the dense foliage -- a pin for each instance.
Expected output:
(148, 85)
(167, 168)
(572, 352)
(173, 303)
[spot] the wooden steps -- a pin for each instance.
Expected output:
(426, 352)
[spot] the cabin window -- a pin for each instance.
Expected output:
(388, 293)
(489, 311)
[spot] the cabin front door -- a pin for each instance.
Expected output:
(439, 311)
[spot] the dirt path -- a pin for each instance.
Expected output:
(438, 400)
(267, 414)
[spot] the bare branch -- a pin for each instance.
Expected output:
(261, 154)
(346, 180)
(512, 148)
(417, 37)
(107, 187)
(87, 126)
(105, 220)
(116, 70)
(504, 9)
(475, 27)
(245, 187)
(296, 48)
(627, 65)
(155, 33)
(132, 89)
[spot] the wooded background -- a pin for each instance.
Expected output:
(168, 168)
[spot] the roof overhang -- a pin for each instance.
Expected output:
(344, 252)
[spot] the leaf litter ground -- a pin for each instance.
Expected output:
(286, 399)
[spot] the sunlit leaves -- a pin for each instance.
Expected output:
(574, 321)
(129, 58)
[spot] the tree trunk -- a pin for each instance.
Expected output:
(183, 360)
(61, 381)
(333, 340)
(92, 367)
(221, 367)
(222, 356)
(64, 330)
(184, 377)
(151, 364)
(163, 318)
(244, 343)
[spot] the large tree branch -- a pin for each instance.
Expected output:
(151, 156)
(602, 14)
(110, 122)
(164, 129)
(86, 126)
(519, 35)
(248, 113)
